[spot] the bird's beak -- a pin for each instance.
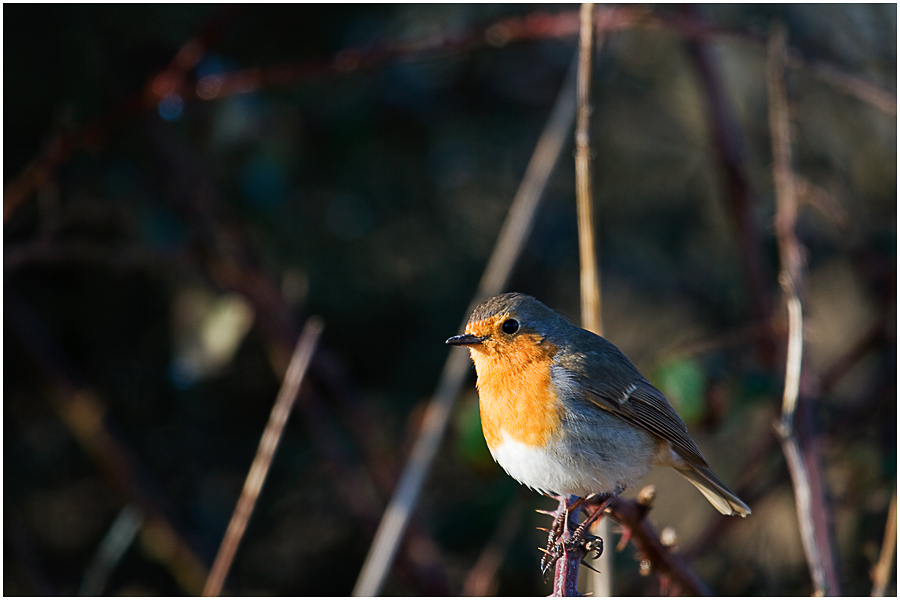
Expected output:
(466, 339)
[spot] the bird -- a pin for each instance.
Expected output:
(565, 412)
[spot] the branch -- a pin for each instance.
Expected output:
(881, 572)
(566, 576)
(264, 454)
(631, 515)
(112, 548)
(807, 481)
(531, 27)
(591, 318)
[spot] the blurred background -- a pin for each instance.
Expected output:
(185, 184)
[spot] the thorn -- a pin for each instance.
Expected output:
(668, 537)
(626, 536)
(545, 512)
(584, 564)
(543, 529)
(646, 496)
(545, 551)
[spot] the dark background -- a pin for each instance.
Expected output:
(164, 244)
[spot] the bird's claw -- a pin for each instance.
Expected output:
(593, 543)
(551, 555)
(556, 549)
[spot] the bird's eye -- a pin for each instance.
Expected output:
(510, 326)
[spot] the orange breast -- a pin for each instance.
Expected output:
(515, 392)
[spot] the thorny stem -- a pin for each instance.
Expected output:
(533, 26)
(631, 515)
(565, 577)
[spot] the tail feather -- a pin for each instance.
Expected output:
(718, 494)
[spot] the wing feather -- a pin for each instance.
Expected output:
(648, 409)
(626, 394)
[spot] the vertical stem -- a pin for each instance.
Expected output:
(264, 455)
(802, 462)
(881, 572)
(566, 577)
(590, 279)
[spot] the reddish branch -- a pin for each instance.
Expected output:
(631, 515)
(172, 79)
(166, 82)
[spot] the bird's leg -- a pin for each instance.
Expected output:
(558, 530)
(553, 550)
(581, 535)
(559, 538)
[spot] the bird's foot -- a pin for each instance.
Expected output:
(584, 545)
(554, 548)
(560, 541)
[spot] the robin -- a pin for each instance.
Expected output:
(564, 411)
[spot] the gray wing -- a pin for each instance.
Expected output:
(626, 394)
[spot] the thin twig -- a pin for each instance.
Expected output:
(534, 26)
(167, 81)
(816, 543)
(871, 93)
(691, 28)
(587, 248)
(591, 303)
(113, 546)
(509, 245)
(271, 436)
(881, 572)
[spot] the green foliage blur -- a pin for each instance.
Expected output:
(175, 233)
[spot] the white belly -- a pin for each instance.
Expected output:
(585, 462)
